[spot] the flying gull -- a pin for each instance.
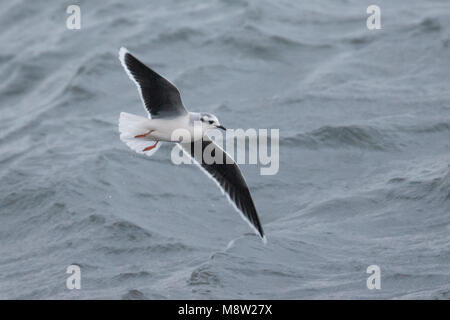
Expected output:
(167, 113)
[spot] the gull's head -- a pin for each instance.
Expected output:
(210, 121)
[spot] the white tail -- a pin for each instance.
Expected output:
(130, 126)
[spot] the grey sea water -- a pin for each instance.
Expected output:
(364, 119)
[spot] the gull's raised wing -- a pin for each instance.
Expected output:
(160, 97)
(229, 178)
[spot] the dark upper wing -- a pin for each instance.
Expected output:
(229, 177)
(160, 97)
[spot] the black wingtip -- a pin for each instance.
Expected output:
(261, 234)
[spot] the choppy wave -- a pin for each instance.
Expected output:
(364, 151)
(344, 136)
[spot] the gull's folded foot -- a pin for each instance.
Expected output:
(144, 135)
(151, 147)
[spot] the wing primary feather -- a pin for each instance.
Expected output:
(231, 182)
(159, 96)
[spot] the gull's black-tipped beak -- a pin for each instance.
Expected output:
(222, 127)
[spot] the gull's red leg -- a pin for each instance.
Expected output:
(151, 147)
(144, 135)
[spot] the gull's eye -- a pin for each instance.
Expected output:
(211, 121)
